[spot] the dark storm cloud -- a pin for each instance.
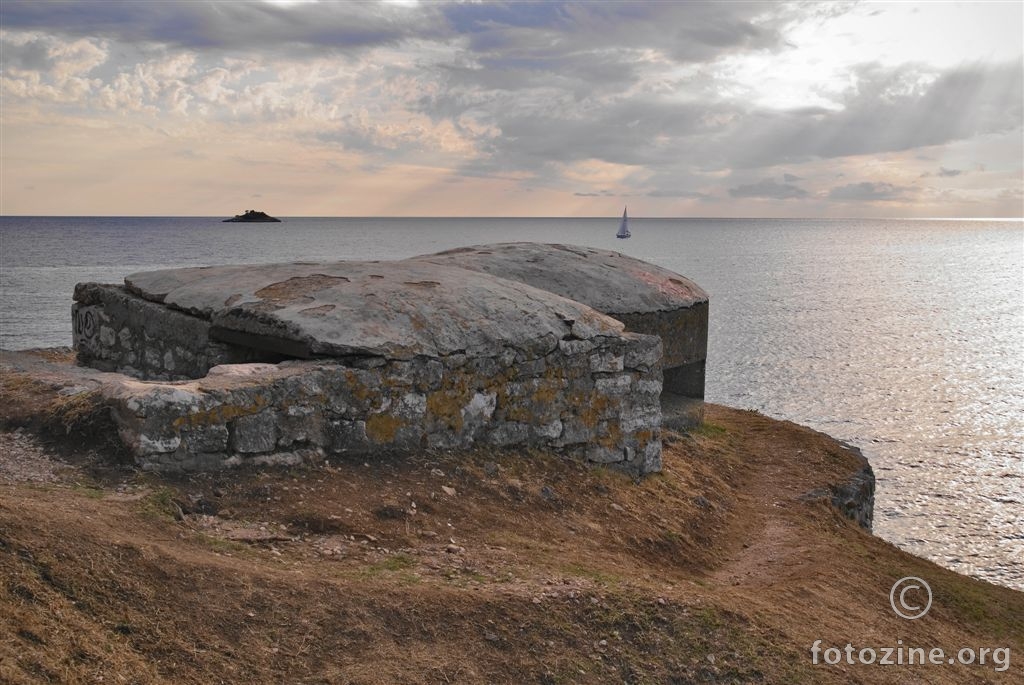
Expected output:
(685, 32)
(575, 74)
(627, 132)
(585, 48)
(233, 25)
(869, 192)
(768, 189)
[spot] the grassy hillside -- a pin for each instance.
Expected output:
(485, 567)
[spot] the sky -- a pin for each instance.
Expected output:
(405, 108)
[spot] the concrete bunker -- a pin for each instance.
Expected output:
(646, 298)
(290, 362)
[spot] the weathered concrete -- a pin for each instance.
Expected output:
(428, 352)
(645, 297)
(395, 310)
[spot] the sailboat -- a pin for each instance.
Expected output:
(624, 226)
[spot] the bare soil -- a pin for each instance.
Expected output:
(469, 568)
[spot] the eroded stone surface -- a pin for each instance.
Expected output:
(308, 409)
(608, 281)
(438, 352)
(645, 297)
(395, 309)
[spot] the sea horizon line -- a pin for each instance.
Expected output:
(602, 217)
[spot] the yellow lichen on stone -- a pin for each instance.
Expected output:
(590, 408)
(359, 390)
(613, 438)
(381, 428)
(643, 436)
(446, 405)
(220, 414)
(547, 392)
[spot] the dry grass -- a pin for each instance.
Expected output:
(75, 419)
(534, 570)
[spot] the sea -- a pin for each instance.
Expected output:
(904, 338)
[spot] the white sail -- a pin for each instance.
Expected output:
(624, 226)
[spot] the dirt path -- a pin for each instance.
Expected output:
(765, 544)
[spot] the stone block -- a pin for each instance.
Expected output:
(205, 438)
(614, 385)
(652, 457)
(509, 433)
(574, 347)
(605, 455)
(606, 362)
(645, 353)
(531, 368)
(254, 433)
(347, 436)
(549, 431)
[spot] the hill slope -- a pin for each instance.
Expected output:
(469, 568)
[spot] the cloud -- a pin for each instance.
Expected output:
(28, 52)
(943, 172)
(868, 191)
(594, 99)
(769, 189)
(518, 88)
(228, 25)
(887, 110)
(693, 195)
(682, 32)
(67, 65)
(882, 111)
(527, 34)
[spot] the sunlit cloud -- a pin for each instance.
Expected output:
(737, 108)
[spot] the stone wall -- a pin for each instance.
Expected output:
(114, 330)
(508, 345)
(684, 334)
(596, 399)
